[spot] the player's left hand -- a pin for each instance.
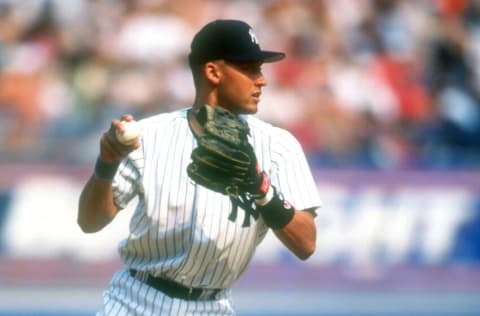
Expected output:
(257, 182)
(224, 160)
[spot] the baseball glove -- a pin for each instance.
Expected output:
(224, 160)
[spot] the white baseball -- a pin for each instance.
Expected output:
(130, 134)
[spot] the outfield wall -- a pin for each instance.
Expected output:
(425, 218)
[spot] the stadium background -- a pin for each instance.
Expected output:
(384, 96)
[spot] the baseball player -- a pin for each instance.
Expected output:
(188, 243)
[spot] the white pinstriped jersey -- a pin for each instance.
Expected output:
(180, 230)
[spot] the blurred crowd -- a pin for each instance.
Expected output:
(380, 84)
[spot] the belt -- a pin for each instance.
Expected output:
(174, 289)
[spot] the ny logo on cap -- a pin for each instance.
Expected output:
(252, 36)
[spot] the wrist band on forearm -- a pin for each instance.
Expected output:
(106, 170)
(268, 196)
(276, 212)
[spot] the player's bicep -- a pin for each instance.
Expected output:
(294, 177)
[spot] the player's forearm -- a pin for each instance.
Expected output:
(299, 235)
(96, 208)
(296, 229)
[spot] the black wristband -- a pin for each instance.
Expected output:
(277, 213)
(106, 170)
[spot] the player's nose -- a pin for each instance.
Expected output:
(261, 81)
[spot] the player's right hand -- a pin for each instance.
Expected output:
(111, 149)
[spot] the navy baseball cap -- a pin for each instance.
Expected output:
(231, 40)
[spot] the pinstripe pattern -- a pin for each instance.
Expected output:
(129, 296)
(180, 230)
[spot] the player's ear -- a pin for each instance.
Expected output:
(212, 72)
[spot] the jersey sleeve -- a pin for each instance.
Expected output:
(291, 173)
(127, 182)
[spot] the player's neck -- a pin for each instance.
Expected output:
(205, 97)
(193, 123)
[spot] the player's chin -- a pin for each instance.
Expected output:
(250, 111)
(251, 108)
